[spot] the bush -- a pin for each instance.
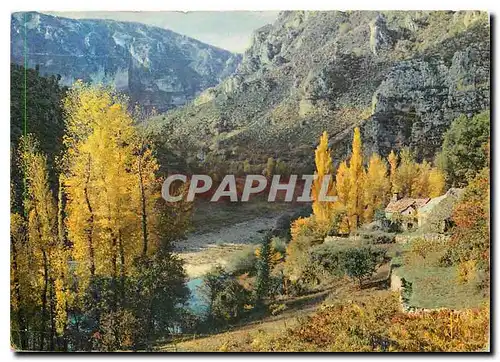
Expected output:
(307, 228)
(243, 261)
(326, 259)
(377, 237)
(423, 247)
(361, 263)
(322, 263)
(304, 235)
(387, 225)
(377, 324)
(229, 303)
(278, 245)
(225, 296)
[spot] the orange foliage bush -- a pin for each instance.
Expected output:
(378, 324)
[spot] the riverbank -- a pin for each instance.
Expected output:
(220, 230)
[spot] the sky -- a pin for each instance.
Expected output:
(230, 30)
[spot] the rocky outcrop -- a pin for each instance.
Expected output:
(156, 67)
(380, 35)
(401, 76)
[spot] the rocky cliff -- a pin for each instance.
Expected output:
(156, 67)
(401, 76)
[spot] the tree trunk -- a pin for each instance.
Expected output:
(44, 298)
(17, 296)
(114, 272)
(52, 315)
(90, 229)
(143, 211)
(122, 268)
(60, 212)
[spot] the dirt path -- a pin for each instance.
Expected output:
(202, 251)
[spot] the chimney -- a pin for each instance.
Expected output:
(395, 197)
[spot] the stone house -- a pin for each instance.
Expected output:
(435, 216)
(405, 211)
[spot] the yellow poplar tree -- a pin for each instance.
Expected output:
(20, 281)
(437, 182)
(421, 186)
(355, 205)
(406, 176)
(47, 255)
(149, 188)
(342, 183)
(324, 166)
(393, 164)
(342, 186)
(102, 220)
(115, 213)
(377, 186)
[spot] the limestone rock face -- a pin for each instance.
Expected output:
(155, 67)
(419, 99)
(380, 35)
(401, 76)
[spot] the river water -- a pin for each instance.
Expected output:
(196, 303)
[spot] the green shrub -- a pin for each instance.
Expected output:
(361, 263)
(278, 245)
(243, 261)
(377, 237)
(225, 296)
(229, 303)
(327, 259)
(325, 262)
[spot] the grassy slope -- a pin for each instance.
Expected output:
(435, 286)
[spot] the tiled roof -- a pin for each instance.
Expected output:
(432, 203)
(421, 202)
(453, 192)
(404, 203)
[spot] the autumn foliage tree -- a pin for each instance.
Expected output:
(393, 160)
(39, 268)
(94, 266)
(115, 217)
(324, 175)
(355, 204)
(470, 240)
(377, 186)
(413, 179)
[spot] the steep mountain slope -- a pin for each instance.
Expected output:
(156, 67)
(402, 76)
